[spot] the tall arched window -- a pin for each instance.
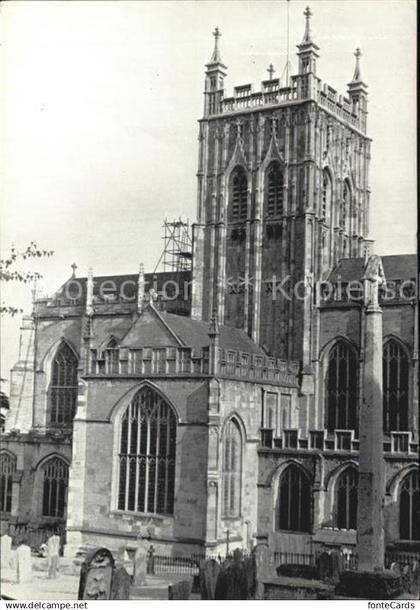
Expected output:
(63, 388)
(345, 204)
(238, 195)
(111, 354)
(326, 194)
(346, 499)
(409, 507)
(395, 387)
(294, 500)
(341, 388)
(232, 470)
(274, 190)
(7, 469)
(56, 478)
(147, 455)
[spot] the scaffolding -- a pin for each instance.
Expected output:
(177, 249)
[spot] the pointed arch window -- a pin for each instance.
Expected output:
(63, 387)
(409, 507)
(55, 485)
(326, 194)
(7, 470)
(345, 204)
(346, 499)
(111, 357)
(274, 190)
(232, 469)
(238, 195)
(341, 388)
(294, 500)
(147, 455)
(395, 387)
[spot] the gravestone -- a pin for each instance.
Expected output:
(180, 590)
(6, 551)
(232, 581)
(336, 566)
(120, 586)
(264, 568)
(53, 550)
(324, 566)
(209, 572)
(23, 564)
(96, 575)
(140, 566)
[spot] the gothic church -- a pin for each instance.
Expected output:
(228, 412)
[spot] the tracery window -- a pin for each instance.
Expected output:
(232, 469)
(55, 484)
(345, 205)
(341, 388)
(7, 469)
(111, 355)
(239, 195)
(395, 387)
(409, 507)
(326, 194)
(63, 388)
(274, 190)
(294, 500)
(147, 455)
(346, 499)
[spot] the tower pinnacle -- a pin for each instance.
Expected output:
(307, 37)
(215, 58)
(357, 76)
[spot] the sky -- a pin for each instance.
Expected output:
(98, 113)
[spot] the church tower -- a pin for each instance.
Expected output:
(282, 195)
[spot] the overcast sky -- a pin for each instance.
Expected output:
(99, 103)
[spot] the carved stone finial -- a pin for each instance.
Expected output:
(152, 296)
(74, 267)
(214, 324)
(357, 76)
(89, 293)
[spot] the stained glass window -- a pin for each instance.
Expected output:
(232, 469)
(409, 507)
(7, 469)
(341, 394)
(147, 455)
(54, 499)
(294, 500)
(395, 387)
(346, 499)
(63, 388)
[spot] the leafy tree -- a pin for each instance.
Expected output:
(10, 273)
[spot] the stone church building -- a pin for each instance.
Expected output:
(221, 405)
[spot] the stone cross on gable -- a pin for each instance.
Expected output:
(270, 71)
(274, 123)
(74, 267)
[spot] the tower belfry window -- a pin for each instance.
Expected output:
(274, 190)
(239, 195)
